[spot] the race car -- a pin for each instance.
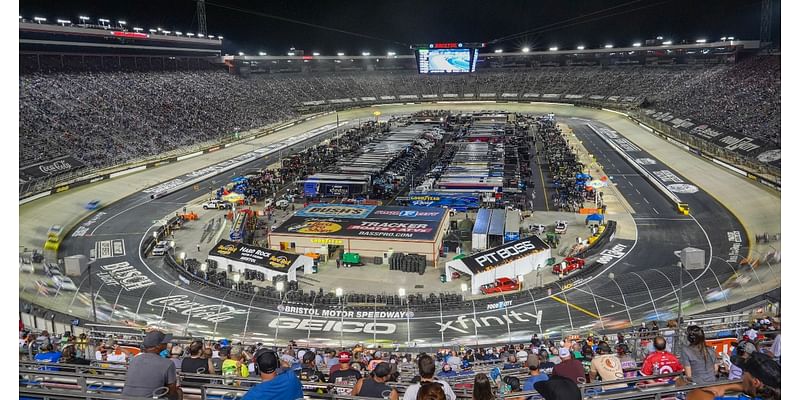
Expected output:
(500, 285)
(216, 204)
(64, 283)
(92, 205)
(160, 248)
(569, 265)
(561, 227)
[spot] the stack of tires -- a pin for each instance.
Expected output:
(407, 263)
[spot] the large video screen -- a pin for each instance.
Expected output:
(435, 61)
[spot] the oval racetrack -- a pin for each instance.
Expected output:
(645, 284)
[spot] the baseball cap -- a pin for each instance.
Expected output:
(382, 369)
(564, 353)
(344, 357)
(752, 334)
(155, 338)
(763, 368)
(267, 361)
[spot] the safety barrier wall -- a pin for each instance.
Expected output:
(602, 240)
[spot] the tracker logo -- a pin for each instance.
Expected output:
(322, 325)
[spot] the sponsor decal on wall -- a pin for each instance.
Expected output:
(497, 256)
(267, 258)
(205, 312)
(336, 211)
(124, 275)
(50, 168)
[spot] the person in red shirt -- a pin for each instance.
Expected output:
(661, 361)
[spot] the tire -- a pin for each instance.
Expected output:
(205, 207)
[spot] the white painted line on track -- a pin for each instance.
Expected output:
(645, 200)
(654, 209)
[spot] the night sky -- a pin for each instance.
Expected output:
(393, 25)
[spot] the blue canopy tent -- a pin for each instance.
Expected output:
(594, 217)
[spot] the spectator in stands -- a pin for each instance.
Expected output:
(430, 391)
(117, 356)
(669, 334)
(148, 371)
(558, 388)
(660, 361)
(535, 341)
(536, 374)
(82, 345)
(761, 380)
(375, 386)
(216, 362)
(699, 360)
(427, 368)
(482, 388)
(607, 366)
(309, 372)
(545, 365)
(447, 371)
(739, 354)
(69, 356)
(511, 362)
(344, 372)
(48, 355)
(275, 384)
(233, 365)
(175, 355)
(330, 358)
(195, 363)
(569, 367)
(513, 384)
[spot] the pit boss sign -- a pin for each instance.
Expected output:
(491, 258)
(267, 258)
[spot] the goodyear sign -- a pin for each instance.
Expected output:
(327, 241)
(273, 259)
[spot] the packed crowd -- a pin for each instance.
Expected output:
(550, 368)
(115, 117)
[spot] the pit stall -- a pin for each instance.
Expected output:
(374, 232)
(511, 260)
(237, 257)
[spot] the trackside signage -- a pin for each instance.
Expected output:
(50, 168)
(497, 256)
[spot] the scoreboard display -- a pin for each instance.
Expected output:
(438, 58)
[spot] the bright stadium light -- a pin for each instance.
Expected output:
(178, 33)
(581, 47)
(340, 54)
(279, 286)
(365, 53)
(401, 292)
(158, 29)
(210, 36)
(262, 53)
(315, 53)
(291, 53)
(554, 48)
(103, 21)
(498, 50)
(391, 53)
(200, 35)
(526, 49)
(463, 287)
(220, 37)
(121, 23)
(153, 31)
(63, 22)
(339, 292)
(166, 32)
(241, 53)
(137, 29)
(190, 34)
(667, 43)
(700, 41)
(659, 37)
(609, 46)
(637, 44)
(39, 19)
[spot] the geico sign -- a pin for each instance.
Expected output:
(322, 325)
(505, 252)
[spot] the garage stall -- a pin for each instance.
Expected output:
(237, 257)
(373, 232)
(510, 260)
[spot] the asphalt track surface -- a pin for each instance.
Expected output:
(645, 284)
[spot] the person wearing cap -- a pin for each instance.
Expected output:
(761, 379)
(175, 355)
(376, 386)
(569, 367)
(536, 374)
(376, 359)
(275, 383)
(447, 371)
(234, 365)
(660, 361)
(344, 372)
(309, 372)
(148, 371)
(427, 368)
(607, 367)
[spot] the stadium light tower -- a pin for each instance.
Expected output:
(498, 50)
(210, 36)
(166, 32)
(637, 44)
(178, 33)
(39, 20)
(340, 54)
(609, 46)
(83, 19)
(262, 53)
(391, 53)
(554, 48)
(153, 31)
(137, 29)
(526, 49)
(190, 34)
(103, 21)
(122, 23)
(365, 53)
(667, 43)
(220, 37)
(700, 41)
(200, 35)
(581, 47)
(241, 53)
(316, 53)
(63, 22)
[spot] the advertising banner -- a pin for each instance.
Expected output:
(500, 255)
(50, 168)
(408, 213)
(272, 259)
(335, 211)
(370, 228)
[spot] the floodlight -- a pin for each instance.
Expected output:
(581, 47)
(525, 49)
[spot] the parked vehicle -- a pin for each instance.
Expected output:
(161, 248)
(216, 205)
(561, 227)
(25, 265)
(351, 260)
(500, 285)
(64, 283)
(569, 265)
